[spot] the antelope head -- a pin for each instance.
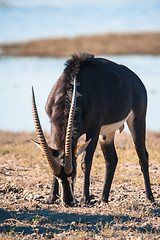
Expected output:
(63, 172)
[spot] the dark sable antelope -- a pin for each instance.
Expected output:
(93, 96)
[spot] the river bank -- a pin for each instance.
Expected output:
(106, 44)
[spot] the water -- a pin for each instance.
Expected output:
(17, 75)
(24, 20)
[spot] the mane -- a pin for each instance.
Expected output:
(73, 64)
(63, 95)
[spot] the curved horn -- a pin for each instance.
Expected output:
(56, 167)
(68, 139)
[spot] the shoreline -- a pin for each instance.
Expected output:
(147, 43)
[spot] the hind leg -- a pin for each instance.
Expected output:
(137, 128)
(109, 152)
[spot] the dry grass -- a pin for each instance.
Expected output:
(25, 181)
(107, 44)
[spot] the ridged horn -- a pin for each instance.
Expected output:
(68, 139)
(56, 167)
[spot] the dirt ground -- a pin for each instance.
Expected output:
(25, 182)
(105, 44)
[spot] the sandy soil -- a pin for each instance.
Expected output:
(25, 182)
(107, 44)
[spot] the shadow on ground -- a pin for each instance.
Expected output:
(43, 221)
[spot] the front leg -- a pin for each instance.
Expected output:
(54, 193)
(109, 152)
(86, 164)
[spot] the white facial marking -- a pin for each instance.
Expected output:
(60, 188)
(70, 184)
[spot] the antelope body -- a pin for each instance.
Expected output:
(93, 96)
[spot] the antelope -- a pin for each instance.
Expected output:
(93, 96)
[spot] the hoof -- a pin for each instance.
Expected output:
(103, 200)
(150, 198)
(87, 199)
(51, 199)
(102, 203)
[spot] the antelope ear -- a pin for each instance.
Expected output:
(39, 146)
(36, 143)
(81, 148)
